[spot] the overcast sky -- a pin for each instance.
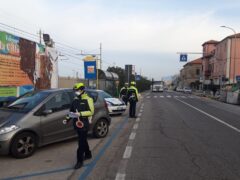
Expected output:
(145, 33)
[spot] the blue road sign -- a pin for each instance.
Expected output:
(183, 57)
(238, 78)
(137, 77)
(90, 69)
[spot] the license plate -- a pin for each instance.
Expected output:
(119, 108)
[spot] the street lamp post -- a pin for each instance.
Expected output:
(235, 50)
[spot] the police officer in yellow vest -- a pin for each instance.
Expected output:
(81, 110)
(123, 93)
(133, 99)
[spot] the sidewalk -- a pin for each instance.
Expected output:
(227, 97)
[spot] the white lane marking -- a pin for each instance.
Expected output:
(176, 96)
(161, 96)
(132, 136)
(128, 152)
(211, 116)
(155, 96)
(168, 96)
(135, 126)
(141, 110)
(139, 114)
(120, 176)
(148, 97)
(138, 119)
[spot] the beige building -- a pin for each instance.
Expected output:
(68, 82)
(191, 73)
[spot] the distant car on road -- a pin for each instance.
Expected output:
(36, 119)
(115, 105)
(178, 89)
(187, 90)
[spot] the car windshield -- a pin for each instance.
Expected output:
(28, 101)
(105, 95)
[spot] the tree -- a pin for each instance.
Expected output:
(143, 84)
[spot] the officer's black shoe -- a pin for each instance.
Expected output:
(78, 165)
(88, 156)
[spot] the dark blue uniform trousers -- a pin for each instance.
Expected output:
(132, 109)
(83, 147)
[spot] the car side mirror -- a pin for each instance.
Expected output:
(47, 112)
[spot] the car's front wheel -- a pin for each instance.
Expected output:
(24, 145)
(101, 128)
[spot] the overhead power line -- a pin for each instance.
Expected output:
(18, 29)
(62, 47)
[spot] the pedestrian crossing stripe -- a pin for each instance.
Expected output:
(168, 96)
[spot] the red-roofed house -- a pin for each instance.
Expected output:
(227, 59)
(191, 73)
(221, 62)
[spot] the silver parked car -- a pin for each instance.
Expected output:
(35, 119)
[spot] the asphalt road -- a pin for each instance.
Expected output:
(175, 137)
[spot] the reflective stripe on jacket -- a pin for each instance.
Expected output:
(132, 92)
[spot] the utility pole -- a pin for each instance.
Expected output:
(40, 36)
(100, 56)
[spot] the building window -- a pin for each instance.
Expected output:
(197, 71)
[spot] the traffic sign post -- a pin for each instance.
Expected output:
(238, 78)
(183, 57)
(238, 82)
(137, 77)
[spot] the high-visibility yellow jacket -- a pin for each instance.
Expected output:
(84, 105)
(133, 94)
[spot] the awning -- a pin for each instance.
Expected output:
(107, 75)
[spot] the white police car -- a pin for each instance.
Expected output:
(115, 105)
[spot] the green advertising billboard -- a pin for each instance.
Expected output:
(9, 44)
(8, 91)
